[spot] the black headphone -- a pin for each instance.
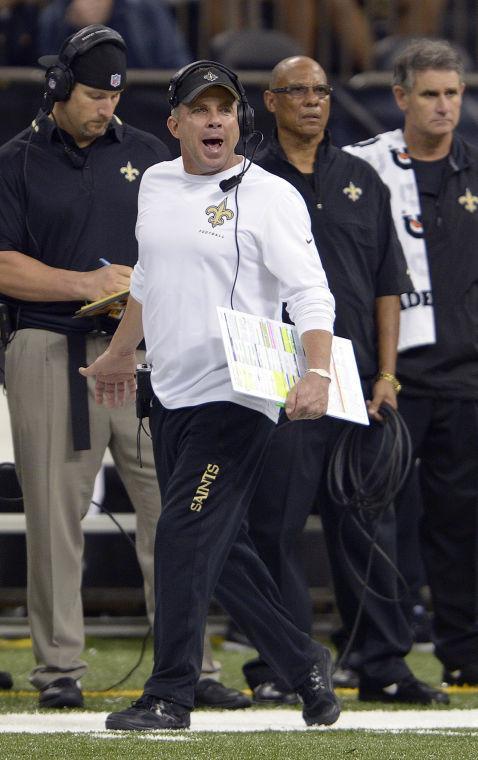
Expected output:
(59, 78)
(245, 112)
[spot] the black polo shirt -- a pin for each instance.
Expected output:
(68, 207)
(351, 218)
(449, 210)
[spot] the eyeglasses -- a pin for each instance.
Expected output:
(321, 91)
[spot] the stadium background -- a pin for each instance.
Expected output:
(362, 106)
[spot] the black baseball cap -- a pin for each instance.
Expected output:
(200, 79)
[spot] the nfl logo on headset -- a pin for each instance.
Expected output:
(115, 80)
(51, 83)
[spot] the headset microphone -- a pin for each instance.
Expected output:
(229, 184)
(236, 179)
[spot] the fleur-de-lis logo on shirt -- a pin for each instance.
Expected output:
(352, 192)
(217, 214)
(129, 172)
(469, 201)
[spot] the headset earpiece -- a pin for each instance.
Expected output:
(245, 113)
(59, 78)
(59, 82)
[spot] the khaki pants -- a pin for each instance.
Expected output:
(57, 484)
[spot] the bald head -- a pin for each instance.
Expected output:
(299, 98)
(294, 66)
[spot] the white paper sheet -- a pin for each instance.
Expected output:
(266, 359)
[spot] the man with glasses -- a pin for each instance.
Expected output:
(354, 232)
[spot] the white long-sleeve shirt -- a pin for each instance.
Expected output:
(187, 266)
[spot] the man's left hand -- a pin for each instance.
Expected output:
(308, 399)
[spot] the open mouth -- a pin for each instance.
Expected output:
(213, 144)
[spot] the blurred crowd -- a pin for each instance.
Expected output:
(349, 36)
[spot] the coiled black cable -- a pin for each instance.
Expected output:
(366, 487)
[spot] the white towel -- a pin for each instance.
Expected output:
(387, 154)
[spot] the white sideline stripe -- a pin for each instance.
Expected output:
(256, 720)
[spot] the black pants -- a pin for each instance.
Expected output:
(292, 482)
(208, 461)
(445, 438)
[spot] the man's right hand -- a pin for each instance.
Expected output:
(105, 281)
(115, 377)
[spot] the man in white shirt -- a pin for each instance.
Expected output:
(211, 235)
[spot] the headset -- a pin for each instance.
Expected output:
(59, 78)
(245, 112)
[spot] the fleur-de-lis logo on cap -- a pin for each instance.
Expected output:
(217, 214)
(352, 192)
(129, 172)
(210, 76)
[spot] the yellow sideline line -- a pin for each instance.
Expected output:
(15, 643)
(134, 693)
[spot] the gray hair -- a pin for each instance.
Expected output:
(423, 54)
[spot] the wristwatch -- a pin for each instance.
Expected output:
(321, 372)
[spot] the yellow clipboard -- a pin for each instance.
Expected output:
(112, 305)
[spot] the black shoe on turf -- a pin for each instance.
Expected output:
(270, 693)
(408, 689)
(467, 675)
(321, 706)
(64, 692)
(211, 693)
(150, 713)
(6, 681)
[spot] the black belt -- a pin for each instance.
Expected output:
(78, 387)
(79, 412)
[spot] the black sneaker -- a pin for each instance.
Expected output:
(6, 681)
(64, 692)
(211, 693)
(321, 706)
(149, 713)
(270, 693)
(467, 675)
(409, 689)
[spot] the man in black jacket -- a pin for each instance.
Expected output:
(352, 225)
(433, 178)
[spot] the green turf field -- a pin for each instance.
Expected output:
(110, 659)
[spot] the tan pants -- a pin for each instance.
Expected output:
(57, 484)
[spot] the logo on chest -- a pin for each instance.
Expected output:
(219, 214)
(469, 201)
(352, 192)
(129, 172)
